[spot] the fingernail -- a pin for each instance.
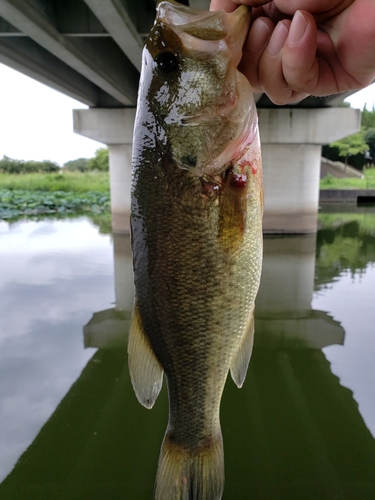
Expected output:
(260, 34)
(297, 28)
(278, 39)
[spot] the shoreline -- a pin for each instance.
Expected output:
(347, 196)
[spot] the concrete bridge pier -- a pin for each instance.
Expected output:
(291, 141)
(113, 127)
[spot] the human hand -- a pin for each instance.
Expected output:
(297, 48)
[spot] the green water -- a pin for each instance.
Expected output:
(301, 428)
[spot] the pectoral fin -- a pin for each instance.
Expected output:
(240, 360)
(232, 218)
(146, 372)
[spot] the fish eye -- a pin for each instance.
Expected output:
(166, 62)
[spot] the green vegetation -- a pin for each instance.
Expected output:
(99, 162)
(368, 118)
(61, 181)
(102, 220)
(365, 221)
(79, 164)
(31, 188)
(345, 244)
(20, 202)
(330, 182)
(352, 149)
(19, 166)
(370, 140)
(352, 145)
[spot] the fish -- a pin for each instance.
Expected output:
(196, 231)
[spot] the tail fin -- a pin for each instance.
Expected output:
(186, 475)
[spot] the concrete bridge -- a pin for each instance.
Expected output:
(91, 51)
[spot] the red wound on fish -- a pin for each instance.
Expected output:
(238, 180)
(250, 164)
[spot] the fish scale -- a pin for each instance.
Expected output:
(197, 241)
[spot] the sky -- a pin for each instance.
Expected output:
(36, 122)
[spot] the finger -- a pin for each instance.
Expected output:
(257, 40)
(299, 62)
(309, 59)
(231, 5)
(226, 5)
(353, 36)
(272, 65)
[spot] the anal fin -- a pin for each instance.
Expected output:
(241, 359)
(146, 372)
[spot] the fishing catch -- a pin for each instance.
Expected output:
(196, 227)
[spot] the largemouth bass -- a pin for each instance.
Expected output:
(196, 234)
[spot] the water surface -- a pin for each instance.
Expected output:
(302, 427)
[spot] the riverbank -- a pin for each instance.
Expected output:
(347, 196)
(336, 183)
(50, 193)
(74, 192)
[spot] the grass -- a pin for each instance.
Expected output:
(330, 182)
(81, 182)
(77, 182)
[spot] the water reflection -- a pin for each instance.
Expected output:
(345, 286)
(346, 243)
(108, 328)
(284, 316)
(48, 290)
(293, 431)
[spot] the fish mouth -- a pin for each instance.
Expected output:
(220, 126)
(203, 32)
(190, 24)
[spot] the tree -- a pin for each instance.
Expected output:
(80, 164)
(370, 141)
(100, 160)
(351, 145)
(368, 118)
(12, 166)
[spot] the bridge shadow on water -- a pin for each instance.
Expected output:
(292, 432)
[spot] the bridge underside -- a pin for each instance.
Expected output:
(87, 49)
